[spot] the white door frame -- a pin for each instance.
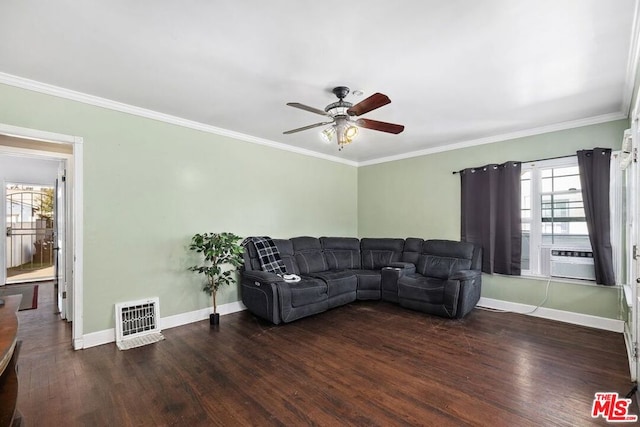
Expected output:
(75, 184)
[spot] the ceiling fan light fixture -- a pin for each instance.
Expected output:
(351, 132)
(345, 133)
(327, 134)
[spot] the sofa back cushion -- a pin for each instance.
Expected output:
(341, 252)
(285, 247)
(412, 250)
(308, 255)
(379, 253)
(442, 258)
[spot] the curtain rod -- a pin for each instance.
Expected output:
(537, 160)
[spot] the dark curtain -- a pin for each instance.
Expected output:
(490, 199)
(594, 176)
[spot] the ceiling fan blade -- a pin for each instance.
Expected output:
(307, 108)
(381, 126)
(306, 127)
(376, 100)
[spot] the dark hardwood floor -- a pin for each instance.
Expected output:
(368, 363)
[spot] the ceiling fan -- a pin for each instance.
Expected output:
(345, 117)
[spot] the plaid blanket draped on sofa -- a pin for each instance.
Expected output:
(268, 254)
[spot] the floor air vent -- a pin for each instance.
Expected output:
(137, 323)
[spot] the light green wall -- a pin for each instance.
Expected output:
(421, 197)
(149, 186)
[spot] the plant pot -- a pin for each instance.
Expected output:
(214, 319)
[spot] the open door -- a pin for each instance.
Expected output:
(634, 259)
(632, 333)
(60, 270)
(623, 222)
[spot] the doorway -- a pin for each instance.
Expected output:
(64, 242)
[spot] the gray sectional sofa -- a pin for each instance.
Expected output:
(438, 277)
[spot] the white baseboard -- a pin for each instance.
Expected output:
(109, 335)
(597, 322)
(98, 338)
(232, 307)
(198, 315)
(185, 318)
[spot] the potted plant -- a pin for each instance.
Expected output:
(222, 254)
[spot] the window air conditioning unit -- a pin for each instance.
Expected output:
(569, 263)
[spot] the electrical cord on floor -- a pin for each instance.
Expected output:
(544, 300)
(546, 297)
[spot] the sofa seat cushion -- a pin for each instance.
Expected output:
(369, 279)
(420, 288)
(308, 291)
(338, 282)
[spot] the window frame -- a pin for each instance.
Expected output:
(535, 221)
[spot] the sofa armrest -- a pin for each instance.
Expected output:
(390, 276)
(465, 275)
(262, 276)
(466, 285)
(260, 298)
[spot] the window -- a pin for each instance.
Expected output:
(552, 211)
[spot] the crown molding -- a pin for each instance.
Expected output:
(503, 137)
(96, 101)
(47, 89)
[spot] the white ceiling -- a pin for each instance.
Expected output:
(456, 71)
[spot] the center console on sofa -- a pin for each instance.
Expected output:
(440, 277)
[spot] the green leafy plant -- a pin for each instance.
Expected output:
(220, 251)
